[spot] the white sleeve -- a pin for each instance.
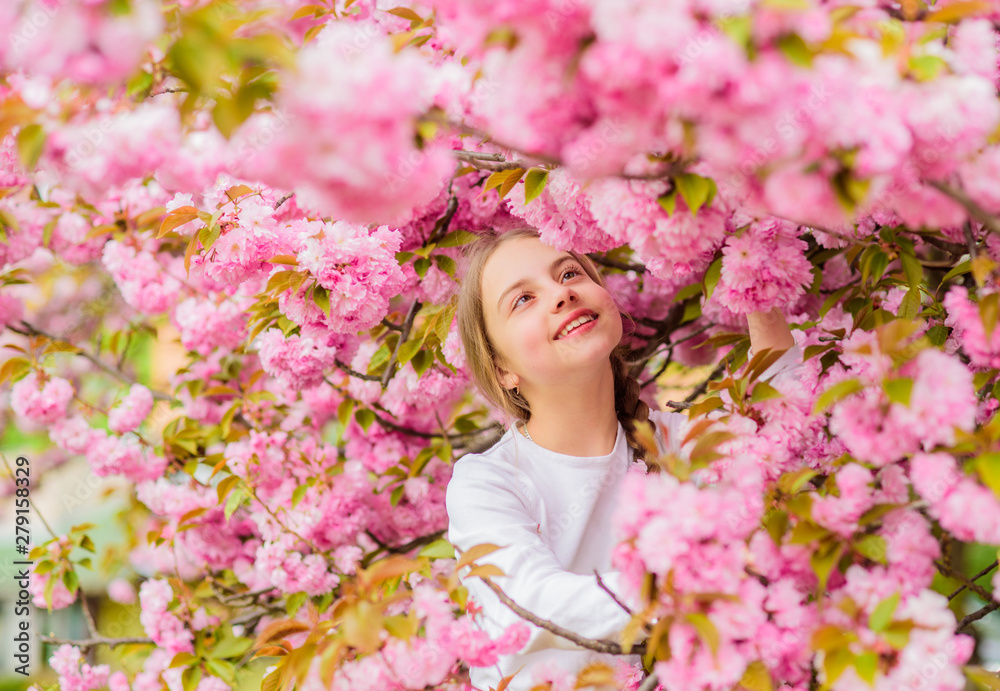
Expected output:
(790, 360)
(485, 506)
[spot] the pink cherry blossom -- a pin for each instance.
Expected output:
(131, 411)
(41, 401)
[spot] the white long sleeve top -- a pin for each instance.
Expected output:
(552, 513)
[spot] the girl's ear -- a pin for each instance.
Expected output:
(508, 380)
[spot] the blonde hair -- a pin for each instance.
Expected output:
(482, 356)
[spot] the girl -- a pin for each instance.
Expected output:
(543, 341)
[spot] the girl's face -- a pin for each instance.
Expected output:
(545, 315)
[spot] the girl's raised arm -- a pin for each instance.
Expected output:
(769, 330)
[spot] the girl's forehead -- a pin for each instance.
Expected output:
(515, 260)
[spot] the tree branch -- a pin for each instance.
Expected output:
(403, 335)
(977, 615)
(283, 199)
(974, 578)
(952, 573)
(649, 683)
(613, 264)
(396, 427)
(353, 373)
(30, 330)
(441, 227)
(599, 646)
(701, 388)
(991, 222)
(88, 643)
(603, 586)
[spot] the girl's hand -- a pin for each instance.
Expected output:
(769, 330)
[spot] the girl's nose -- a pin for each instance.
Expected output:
(564, 296)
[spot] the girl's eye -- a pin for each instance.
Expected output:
(517, 301)
(568, 272)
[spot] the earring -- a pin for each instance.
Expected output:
(517, 389)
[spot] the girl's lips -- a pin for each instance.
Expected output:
(582, 329)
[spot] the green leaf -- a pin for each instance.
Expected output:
(909, 308)
(421, 362)
(421, 265)
(408, 350)
(235, 647)
(795, 49)
(757, 677)
(706, 630)
(457, 238)
(297, 495)
(872, 547)
(912, 268)
(882, 614)
(30, 143)
(988, 467)
(294, 601)
(669, 201)
(233, 502)
(70, 580)
(937, 334)
(983, 677)
(446, 264)
(899, 390)
(344, 410)
(712, 276)
(396, 495)
(866, 665)
(762, 391)
(190, 678)
(534, 183)
(140, 84)
(963, 268)
(365, 418)
(776, 524)
(439, 549)
(696, 190)
(838, 391)
(823, 560)
(321, 297)
(926, 67)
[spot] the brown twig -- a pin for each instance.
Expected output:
(670, 353)
(604, 586)
(353, 373)
(442, 224)
(611, 263)
(403, 335)
(396, 427)
(88, 643)
(977, 615)
(954, 248)
(948, 572)
(991, 222)
(600, 646)
(969, 238)
(702, 387)
(649, 683)
(406, 546)
(30, 330)
(283, 199)
(226, 599)
(973, 578)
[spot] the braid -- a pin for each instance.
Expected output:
(631, 410)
